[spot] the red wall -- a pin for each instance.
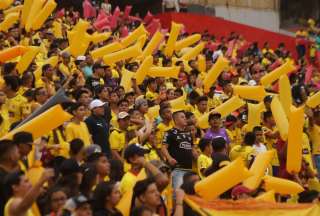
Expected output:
(221, 27)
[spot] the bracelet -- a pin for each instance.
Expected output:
(179, 204)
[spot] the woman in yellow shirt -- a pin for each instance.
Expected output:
(77, 128)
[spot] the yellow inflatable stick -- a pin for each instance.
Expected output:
(124, 54)
(224, 109)
(143, 69)
(174, 33)
(133, 36)
(4, 4)
(27, 58)
(99, 37)
(35, 172)
(153, 112)
(142, 40)
(214, 72)
(53, 61)
(25, 11)
(42, 16)
(187, 42)
(281, 186)
(34, 11)
(57, 29)
(43, 123)
(314, 100)
(256, 93)
(280, 117)
(79, 44)
(258, 169)
(81, 26)
(193, 52)
(9, 21)
(285, 93)
(152, 45)
(254, 115)
(267, 197)
(126, 80)
(11, 53)
(294, 148)
(15, 9)
(171, 72)
(201, 63)
(219, 182)
(105, 50)
(275, 74)
(178, 103)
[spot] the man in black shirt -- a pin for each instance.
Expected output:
(9, 157)
(178, 148)
(98, 126)
(97, 74)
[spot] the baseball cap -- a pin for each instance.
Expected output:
(96, 103)
(230, 119)
(75, 202)
(94, 148)
(134, 149)
(69, 166)
(122, 115)
(214, 115)
(81, 58)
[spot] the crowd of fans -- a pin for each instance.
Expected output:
(112, 146)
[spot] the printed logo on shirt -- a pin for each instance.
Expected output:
(185, 145)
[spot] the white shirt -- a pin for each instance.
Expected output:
(260, 148)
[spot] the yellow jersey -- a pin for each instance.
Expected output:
(203, 162)
(161, 129)
(117, 139)
(271, 145)
(5, 124)
(74, 130)
(129, 180)
(245, 152)
(15, 107)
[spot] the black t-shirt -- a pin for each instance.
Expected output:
(3, 174)
(217, 163)
(179, 147)
(92, 83)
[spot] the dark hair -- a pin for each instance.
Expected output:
(202, 98)
(267, 115)
(11, 179)
(101, 192)
(178, 90)
(75, 146)
(75, 106)
(187, 176)
(89, 177)
(8, 68)
(45, 67)
(194, 95)
(188, 187)
(94, 157)
(79, 93)
(308, 196)
(256, 129)
(141, 187)
(122, 101)
(163, 108)
(218, 144)
(5, 147)
(22, 137)
(116, 170)
(12, 81)
(176, 113)
(249, 138)
(140, 210)
(203, 143)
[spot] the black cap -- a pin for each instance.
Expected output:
(69, 166)
(99, 65)
(134, 149)
(214, 115)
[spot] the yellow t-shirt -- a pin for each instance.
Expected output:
(315, 139)
(80, 131)
(117, 139)
(151, 95)
(235, 136)
(15, 106)
(245, 152)
(5, 125)
(198, 114)
(114, 120)
(152, 155)
(203, 162)
(6, 209)
(306, 151)
(63, 145)
(161, 129)
(129, 180)
(270, 144)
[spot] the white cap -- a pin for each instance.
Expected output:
(96, 103)
(81, 58)
(122, 115)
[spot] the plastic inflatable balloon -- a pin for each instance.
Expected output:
(124, 54)
(133, 36)
(254, 115)
(42, 16)
(154, 26)
(201, 63)
(34, 11)
(9, 21)
(15, 9)
(275, 74)
(174, 33)
(256, 93)
(153, 112)
(193, 52)
(267, 197)
(258, 169)
(148, 18)
(87, 9)
(280, 117)
(127, 11)
(53, 61)
(35, 172)
(102, 23)
(43, 123)
(152, 45)
(285, 93)
(57, 29)
(81, 26)
(99, 37)
(27, 58)
(105, 50)
(5, 4)
(142, 40)
(171, 72)
(214, 72)
(124, 32)
(25, 11)
(281, 186)
(11, 53)
(143, 69)
(187, 42)
(178, 103)
(222, 180)
(294, 147)
(224, 109)
(126, 82)
(79, 44)
(314, 100)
